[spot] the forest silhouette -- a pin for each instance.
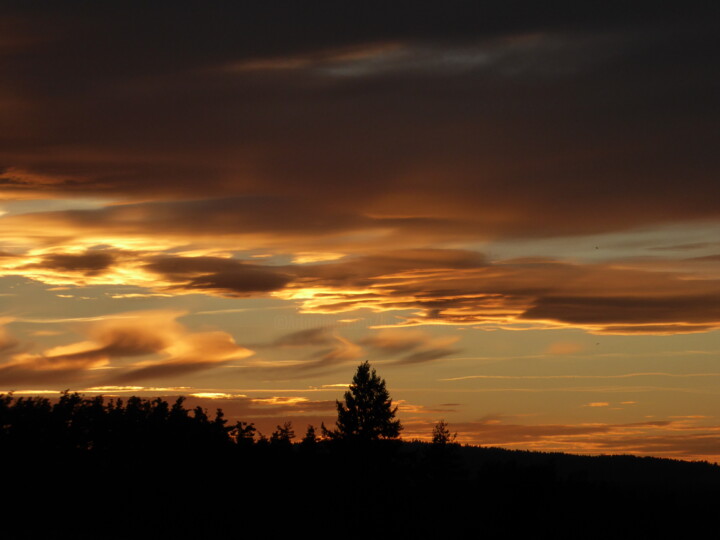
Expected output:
(91, 467)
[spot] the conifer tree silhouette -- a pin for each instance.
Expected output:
(310, 437)
(367, 413)
(441, 434)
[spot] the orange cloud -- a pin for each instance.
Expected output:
(116, 339)
(599, 298)
(441, 286)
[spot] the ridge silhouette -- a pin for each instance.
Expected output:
(89, 467)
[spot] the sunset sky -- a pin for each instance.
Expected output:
(511, 209)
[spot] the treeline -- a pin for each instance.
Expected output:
(75, 423)
(78, 467)
(97, 425)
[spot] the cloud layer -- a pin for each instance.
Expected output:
(431, 286)
(439, 127)
(445, 119)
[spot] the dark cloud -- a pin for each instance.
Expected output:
(311, 337)
(166, 369)
(232, 276)
(658, 329)
(239, 282)
(458, 119)
(231, 215)
(224, 276)
(627, 309)
(427, 356)
(90, 263)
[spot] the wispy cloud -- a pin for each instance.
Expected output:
(170, 348)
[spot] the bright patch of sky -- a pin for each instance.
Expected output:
(14, 208)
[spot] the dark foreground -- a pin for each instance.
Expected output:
(148, 469)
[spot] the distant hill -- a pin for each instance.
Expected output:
(619, 470)
(88, 468)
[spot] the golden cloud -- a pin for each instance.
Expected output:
(114, 340)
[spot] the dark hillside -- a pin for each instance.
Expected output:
(94, 468)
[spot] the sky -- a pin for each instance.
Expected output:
(511, 209)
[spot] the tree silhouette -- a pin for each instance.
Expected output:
(367, 413)
(310, 437)
(441, 434)
(243, 434)
(283, 435)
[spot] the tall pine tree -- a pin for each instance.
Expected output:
(367, 413)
